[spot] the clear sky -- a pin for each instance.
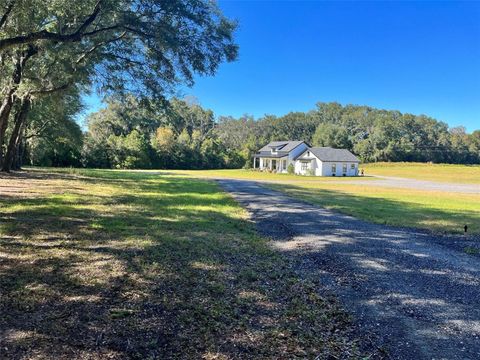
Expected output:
(418, 57)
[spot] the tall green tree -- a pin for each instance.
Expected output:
(123, 46)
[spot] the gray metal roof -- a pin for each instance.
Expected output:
(268, 154)
(331, 154)
(283, 146)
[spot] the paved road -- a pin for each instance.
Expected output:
(397, 182)
(414, 295)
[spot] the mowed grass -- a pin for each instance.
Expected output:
(468, 174)
(436, 211)
(109, 264)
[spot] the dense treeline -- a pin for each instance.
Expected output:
(130, 133)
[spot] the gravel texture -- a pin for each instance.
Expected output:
(415, 295)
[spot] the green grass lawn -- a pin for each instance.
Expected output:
(432, 210)
(468, 174)
(110, 264)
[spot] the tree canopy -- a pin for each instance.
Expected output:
(121, 47)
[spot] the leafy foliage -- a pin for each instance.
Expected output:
(129, 134)
(291, 169)
(121, 47)
(178, 136)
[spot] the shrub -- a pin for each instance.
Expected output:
(291, 169)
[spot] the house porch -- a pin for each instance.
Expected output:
(271, 163)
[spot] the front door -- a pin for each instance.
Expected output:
(274, 164)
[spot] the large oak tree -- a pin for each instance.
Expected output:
(145, 47)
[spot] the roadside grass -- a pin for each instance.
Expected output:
(436, 211)
(432, 210)
(111, 264)
(468, 174)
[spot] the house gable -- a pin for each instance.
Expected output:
(328, 154)
(307, 155)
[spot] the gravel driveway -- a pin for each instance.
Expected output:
(415, 295)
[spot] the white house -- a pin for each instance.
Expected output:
(326, 161)
(277, 155)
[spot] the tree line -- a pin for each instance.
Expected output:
(53, 51)
(136, 53)
(129, 133)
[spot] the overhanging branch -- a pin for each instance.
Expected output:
(8, 10)
(47, 35)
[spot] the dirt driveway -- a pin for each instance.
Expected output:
(414, 294)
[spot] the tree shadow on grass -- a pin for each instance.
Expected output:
(388, 212)
(415, 298)
(164, 268)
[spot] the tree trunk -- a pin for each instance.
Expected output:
(5, 110)
(19, 149)
(19, 60)
(20, 118)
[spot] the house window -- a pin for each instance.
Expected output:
(266, 163)
(308, 153)
(284, 164)
(304, 166)
(352, 166)
(334, 169)
(344, 169)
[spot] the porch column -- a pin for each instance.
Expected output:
(254, 161)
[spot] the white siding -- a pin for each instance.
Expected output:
(327, 168)
(313, 164)
(320, 168)
(293, 154)
(323, 168)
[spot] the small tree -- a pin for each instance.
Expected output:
(291, 169)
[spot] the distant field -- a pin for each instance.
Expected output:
(469, 174)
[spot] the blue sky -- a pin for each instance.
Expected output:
(418, 57)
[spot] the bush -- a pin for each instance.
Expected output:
(291, 169)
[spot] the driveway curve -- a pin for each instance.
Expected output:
(413, 294)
